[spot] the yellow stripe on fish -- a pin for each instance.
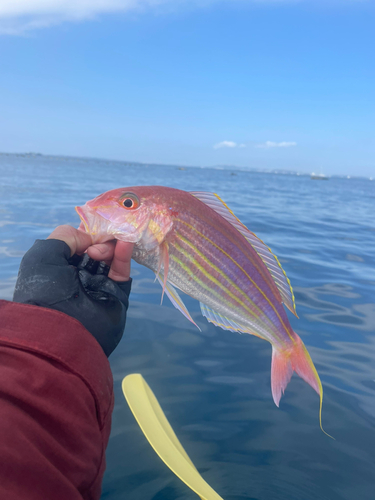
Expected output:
(246, 274)
(225, 276)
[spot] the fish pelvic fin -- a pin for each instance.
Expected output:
(174, 297)
(294, 359)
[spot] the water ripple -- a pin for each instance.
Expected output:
(214, 385)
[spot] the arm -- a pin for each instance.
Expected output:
(56, 394)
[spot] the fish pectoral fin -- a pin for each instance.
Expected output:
(226, 323)
(174, 297)
(265, 253)
(163, 264)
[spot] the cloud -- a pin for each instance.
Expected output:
(21, 16)
(271, 144)
(228, 144)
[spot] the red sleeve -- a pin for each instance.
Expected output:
(56, 401)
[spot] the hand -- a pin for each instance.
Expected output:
(47, 278)
(116, 254)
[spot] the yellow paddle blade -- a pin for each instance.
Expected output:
(160, 435)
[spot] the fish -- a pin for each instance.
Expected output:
(194, 243)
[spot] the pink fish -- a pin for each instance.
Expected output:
(194, 243)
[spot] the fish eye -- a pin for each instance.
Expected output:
(130, 201)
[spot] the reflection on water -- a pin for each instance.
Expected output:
(359, 316)
(214, 385)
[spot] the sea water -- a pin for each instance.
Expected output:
(214, 385)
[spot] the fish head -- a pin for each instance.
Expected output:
(134, 214)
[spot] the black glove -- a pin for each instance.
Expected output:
(76, 286)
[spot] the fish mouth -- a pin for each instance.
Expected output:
(94, 224)
(103, 226)
(84, 218)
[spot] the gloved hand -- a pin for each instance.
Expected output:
(76, 286)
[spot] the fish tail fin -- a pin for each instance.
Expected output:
(294, 359)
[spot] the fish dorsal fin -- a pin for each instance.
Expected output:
(270, 260)
(175, 298)
(228, 324)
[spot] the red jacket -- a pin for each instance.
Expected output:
(56, 401)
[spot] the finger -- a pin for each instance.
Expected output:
(78, 241)
(103, 251)
(120, 267)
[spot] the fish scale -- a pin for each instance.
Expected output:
(229, 276)
(226, 237)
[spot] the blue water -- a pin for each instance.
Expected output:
(214, 385)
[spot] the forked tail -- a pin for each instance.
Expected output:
(294, 359)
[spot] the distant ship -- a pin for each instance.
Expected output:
(319, 177)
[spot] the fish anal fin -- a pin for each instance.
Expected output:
(265, 253)
(225, 323)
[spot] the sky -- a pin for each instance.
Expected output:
(269, 84)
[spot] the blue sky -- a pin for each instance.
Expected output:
(263, 84)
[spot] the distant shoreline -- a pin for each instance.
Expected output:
(128, 163)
